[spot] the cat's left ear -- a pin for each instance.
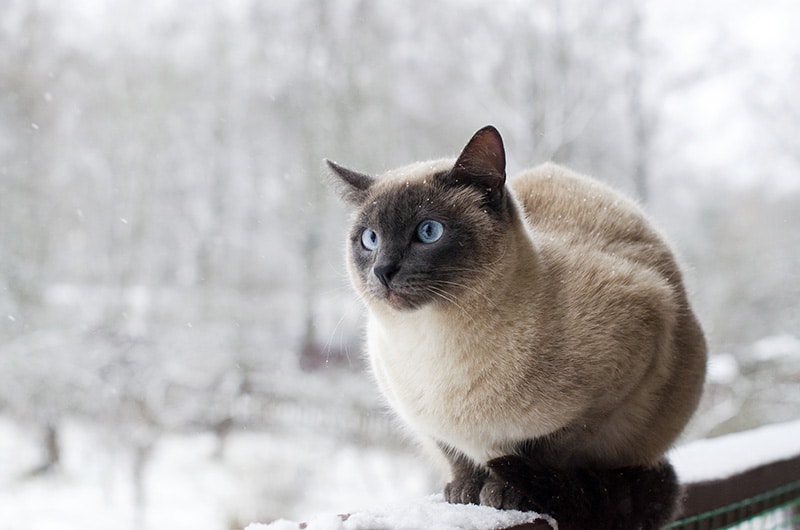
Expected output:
(355, 185)
(482, 163)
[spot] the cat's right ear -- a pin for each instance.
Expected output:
(353, 186)
(482, 163)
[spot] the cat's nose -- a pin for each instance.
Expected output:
(386, 272)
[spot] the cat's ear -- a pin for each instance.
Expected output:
(353, 186)
(482, 163)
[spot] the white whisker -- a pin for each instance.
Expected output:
(467, 287)
(447, 297)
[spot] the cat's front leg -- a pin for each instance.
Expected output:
(629, 498)
(522, 483)
(501, 494)
(468, 479)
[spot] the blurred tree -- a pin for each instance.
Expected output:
(636, 106)
(31, 212)
(29, 157)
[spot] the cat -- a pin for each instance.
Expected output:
(537, 332)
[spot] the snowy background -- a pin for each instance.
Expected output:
(179, 347)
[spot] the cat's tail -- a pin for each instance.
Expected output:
(635, 498)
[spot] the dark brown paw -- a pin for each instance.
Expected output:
(537, 480)
(499, 494)
(464, 490)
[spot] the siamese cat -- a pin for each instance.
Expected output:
(537, 331)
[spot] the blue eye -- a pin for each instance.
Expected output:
(369, 238)
(430, 231)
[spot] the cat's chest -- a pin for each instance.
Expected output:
(420, 360)
(438, 375)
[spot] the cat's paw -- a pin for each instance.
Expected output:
(500, 494)
(525, 474)
(464, 489)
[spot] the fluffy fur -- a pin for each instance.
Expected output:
(545, 343)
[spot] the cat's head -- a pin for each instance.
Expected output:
(429, 232)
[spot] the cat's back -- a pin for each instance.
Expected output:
(572, 211)
(614, 272)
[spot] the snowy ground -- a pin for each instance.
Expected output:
(261, 477)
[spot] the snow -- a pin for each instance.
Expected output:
(261, 476)
(723, 369)
(725, 456)
(776, 347)
(432, 513)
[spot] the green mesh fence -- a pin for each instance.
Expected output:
(774, 509)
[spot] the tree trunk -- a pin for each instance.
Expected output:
(52, 450)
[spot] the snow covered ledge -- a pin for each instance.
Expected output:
(741, 476)
(431, 513)
(732, 454)
(702, 465)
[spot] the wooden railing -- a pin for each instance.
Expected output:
(748, 480)
(764, 497)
